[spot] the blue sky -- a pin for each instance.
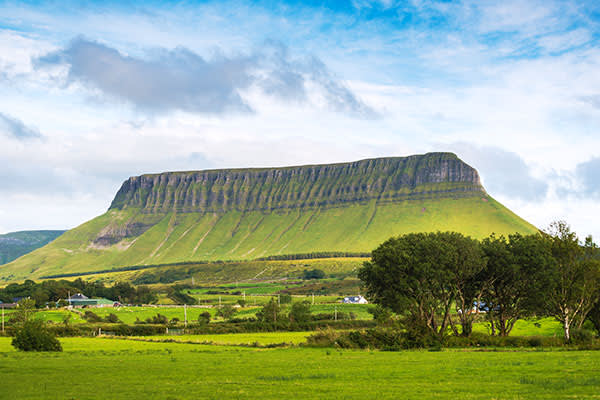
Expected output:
(92, 93)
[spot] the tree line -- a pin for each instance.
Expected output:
(439, 282)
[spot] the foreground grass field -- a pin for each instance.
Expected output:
(124, 369)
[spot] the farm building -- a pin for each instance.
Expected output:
(81, 300)
(355, 300)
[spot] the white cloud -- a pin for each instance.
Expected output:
(517, 78)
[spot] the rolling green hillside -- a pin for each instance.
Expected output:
(253, 213)
(15, 244)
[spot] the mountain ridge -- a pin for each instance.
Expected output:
(247, 214)
(15, 244)
(308, 185)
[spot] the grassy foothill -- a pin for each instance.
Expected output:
(126, 369)
(234, 235)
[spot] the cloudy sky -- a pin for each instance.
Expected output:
(92, 93)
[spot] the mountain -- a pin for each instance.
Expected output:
(237, 214)
(15, 244)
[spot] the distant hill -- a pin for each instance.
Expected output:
(15, 244)
(243, 214)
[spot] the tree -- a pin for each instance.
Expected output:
(300, 312)
(25, 312)
(577, 277)
(204, 318)
(414, 274)
(313, 274)
(112, 318)
(158, 319)
(226, 311)
(271, 312)
(143, 295)
(285, 298)
(91, 317)
(34, 336)
(467, 277)
(517, 279)
(381, 315)
(594, 317)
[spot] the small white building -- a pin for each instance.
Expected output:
(355, 300)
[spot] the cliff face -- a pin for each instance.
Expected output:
(383, 179)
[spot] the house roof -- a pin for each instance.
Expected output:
(88, 301)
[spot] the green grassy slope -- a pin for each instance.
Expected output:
(13, 245)
(237, 235)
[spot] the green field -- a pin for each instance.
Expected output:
(126, 369)
(236, 235)
(128, 315)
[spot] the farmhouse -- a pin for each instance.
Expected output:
(355, 300)
(81, 300)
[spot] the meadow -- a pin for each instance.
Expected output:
(98, 368)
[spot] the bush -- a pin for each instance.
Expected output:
(226, 311)
(313, 274)
(270, 313)
(381, 315)
(91, 317)
(33, 336)
(112, 318)
(204, 318)
(581, 336)
(285, 299)
(300, 312)
(158, 319)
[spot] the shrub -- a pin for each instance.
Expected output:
(226, 311)
(381, 315)
(91, 317)
(581, 336)
(204, 318)
(313, 274)
(158, 319)
(112, 318)
(33, 336)
(323, 338)
(270, 313)
(300, 312)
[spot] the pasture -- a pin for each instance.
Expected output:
(95, 368)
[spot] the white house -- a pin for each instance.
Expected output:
(355, 300)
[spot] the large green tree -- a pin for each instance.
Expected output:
(467, 276)
(271, 312)
(576, 277)
(418, 274)
(517, 279)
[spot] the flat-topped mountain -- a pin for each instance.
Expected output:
(262, 189)
(236, 214)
